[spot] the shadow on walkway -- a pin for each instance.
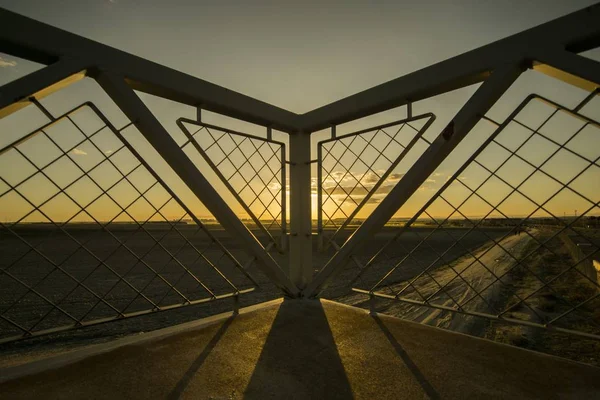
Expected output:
(299, 340)
(189, 374)
(429, 390)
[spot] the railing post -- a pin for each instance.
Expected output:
(300, 210)
(236, 305)
(372, 309)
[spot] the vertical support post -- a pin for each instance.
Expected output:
(300, 210)
(283, 178)
(320, 233)
(236, 305)
(199, 113)
(372, 310)
(320, 195)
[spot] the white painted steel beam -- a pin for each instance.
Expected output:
(300, 243)
(164, 144)
(483, 99)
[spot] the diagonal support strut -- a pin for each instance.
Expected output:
(483, 99)
(159, 138)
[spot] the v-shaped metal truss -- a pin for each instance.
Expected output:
(113, 268)
(353, 168)
(252, 168)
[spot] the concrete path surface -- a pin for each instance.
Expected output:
(303, 349)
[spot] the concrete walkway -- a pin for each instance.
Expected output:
(301, 349)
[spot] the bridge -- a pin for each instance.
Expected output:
(267, 253)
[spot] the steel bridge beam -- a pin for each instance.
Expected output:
(39, 84)
(163, 143)
(35, 41)
(549, 43)
(300, 263)
(568, 67)
(32, 40)
(483, 99)
(579, 31)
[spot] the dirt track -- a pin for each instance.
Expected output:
(465, 281)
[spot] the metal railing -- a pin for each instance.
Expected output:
(251, 168)
(529, 169)
(353, 167)
(464, 252)
(93, 238)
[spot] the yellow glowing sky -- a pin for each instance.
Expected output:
(300, 57)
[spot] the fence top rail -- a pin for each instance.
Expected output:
(35, 41)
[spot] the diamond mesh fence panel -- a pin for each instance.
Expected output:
(356, 169)
(252, 168)
(511, 236)
(92, 233)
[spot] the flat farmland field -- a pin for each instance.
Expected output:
(91, 274)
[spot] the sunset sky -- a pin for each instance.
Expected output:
(302, 55)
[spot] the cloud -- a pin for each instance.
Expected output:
(274, 186)
(78, 152)
(7, 63)
(395, 177)
(108, 152)
(340, 183)
(374, 200)
(343, 190)
(370, 178)
(429, 184)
